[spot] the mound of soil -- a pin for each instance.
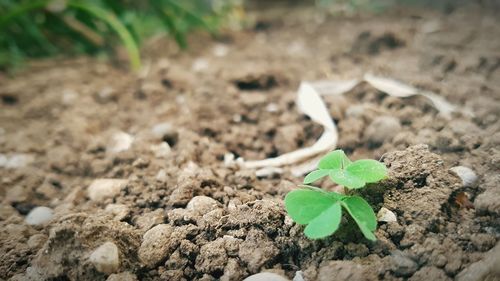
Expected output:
(133, 167)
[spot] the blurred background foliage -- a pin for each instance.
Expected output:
(44, 28)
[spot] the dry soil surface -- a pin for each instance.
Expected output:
(132, 165)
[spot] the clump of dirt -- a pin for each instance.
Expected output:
(143, 164)
(232, 240)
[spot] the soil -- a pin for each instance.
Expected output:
(65, 123)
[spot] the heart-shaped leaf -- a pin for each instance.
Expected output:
(367, 232)
(305, 205)
(344, 178)
(350, 174)
(368, 170)
(315, 175)
(362, 213)
(326, 223)
(334, 160)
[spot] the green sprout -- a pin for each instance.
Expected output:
(321, 210)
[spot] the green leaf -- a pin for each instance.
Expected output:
(362, 213)
(344, 178)
(325, 223)
(366, 232)
(334, 160)
(315, 175)
(336, 196)
(305, 205)
(368, 170)
(313, 188)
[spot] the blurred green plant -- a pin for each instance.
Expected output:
(42, 28)
(354, 6)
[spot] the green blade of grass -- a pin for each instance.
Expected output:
(192, 16)
(170, 25)
(117, 26)
(21, 9)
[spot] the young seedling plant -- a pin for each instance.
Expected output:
(321, 210)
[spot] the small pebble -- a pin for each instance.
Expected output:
(101, 189)
(386, 215)
(220, 50)
(106, 258)
(119, 142)
(161, 150)
(15, 161)
(382, 129)
(161, 176)
(228, 159)
(402, 264)
(162, 129)
(299, 276)
(39, 215)
(272, 107)
(157, 244)
(265, 276)
(119, 211)
(123, 276)
(200, 64)
(202, 204)
(468, 176)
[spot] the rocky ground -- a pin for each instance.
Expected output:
(110, 175)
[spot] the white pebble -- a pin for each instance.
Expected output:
(202, 204)
(228, 159)
(39, 215)
(119, 142)
(17, 160)
(161, 150)
(199, 65)
(386, 215)
(299, 276)
(161, 129)
(265, 276)
(161, 176)
(467, 175)
(105, 188)
(220, 50)
(272, 107)
(106, 258)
